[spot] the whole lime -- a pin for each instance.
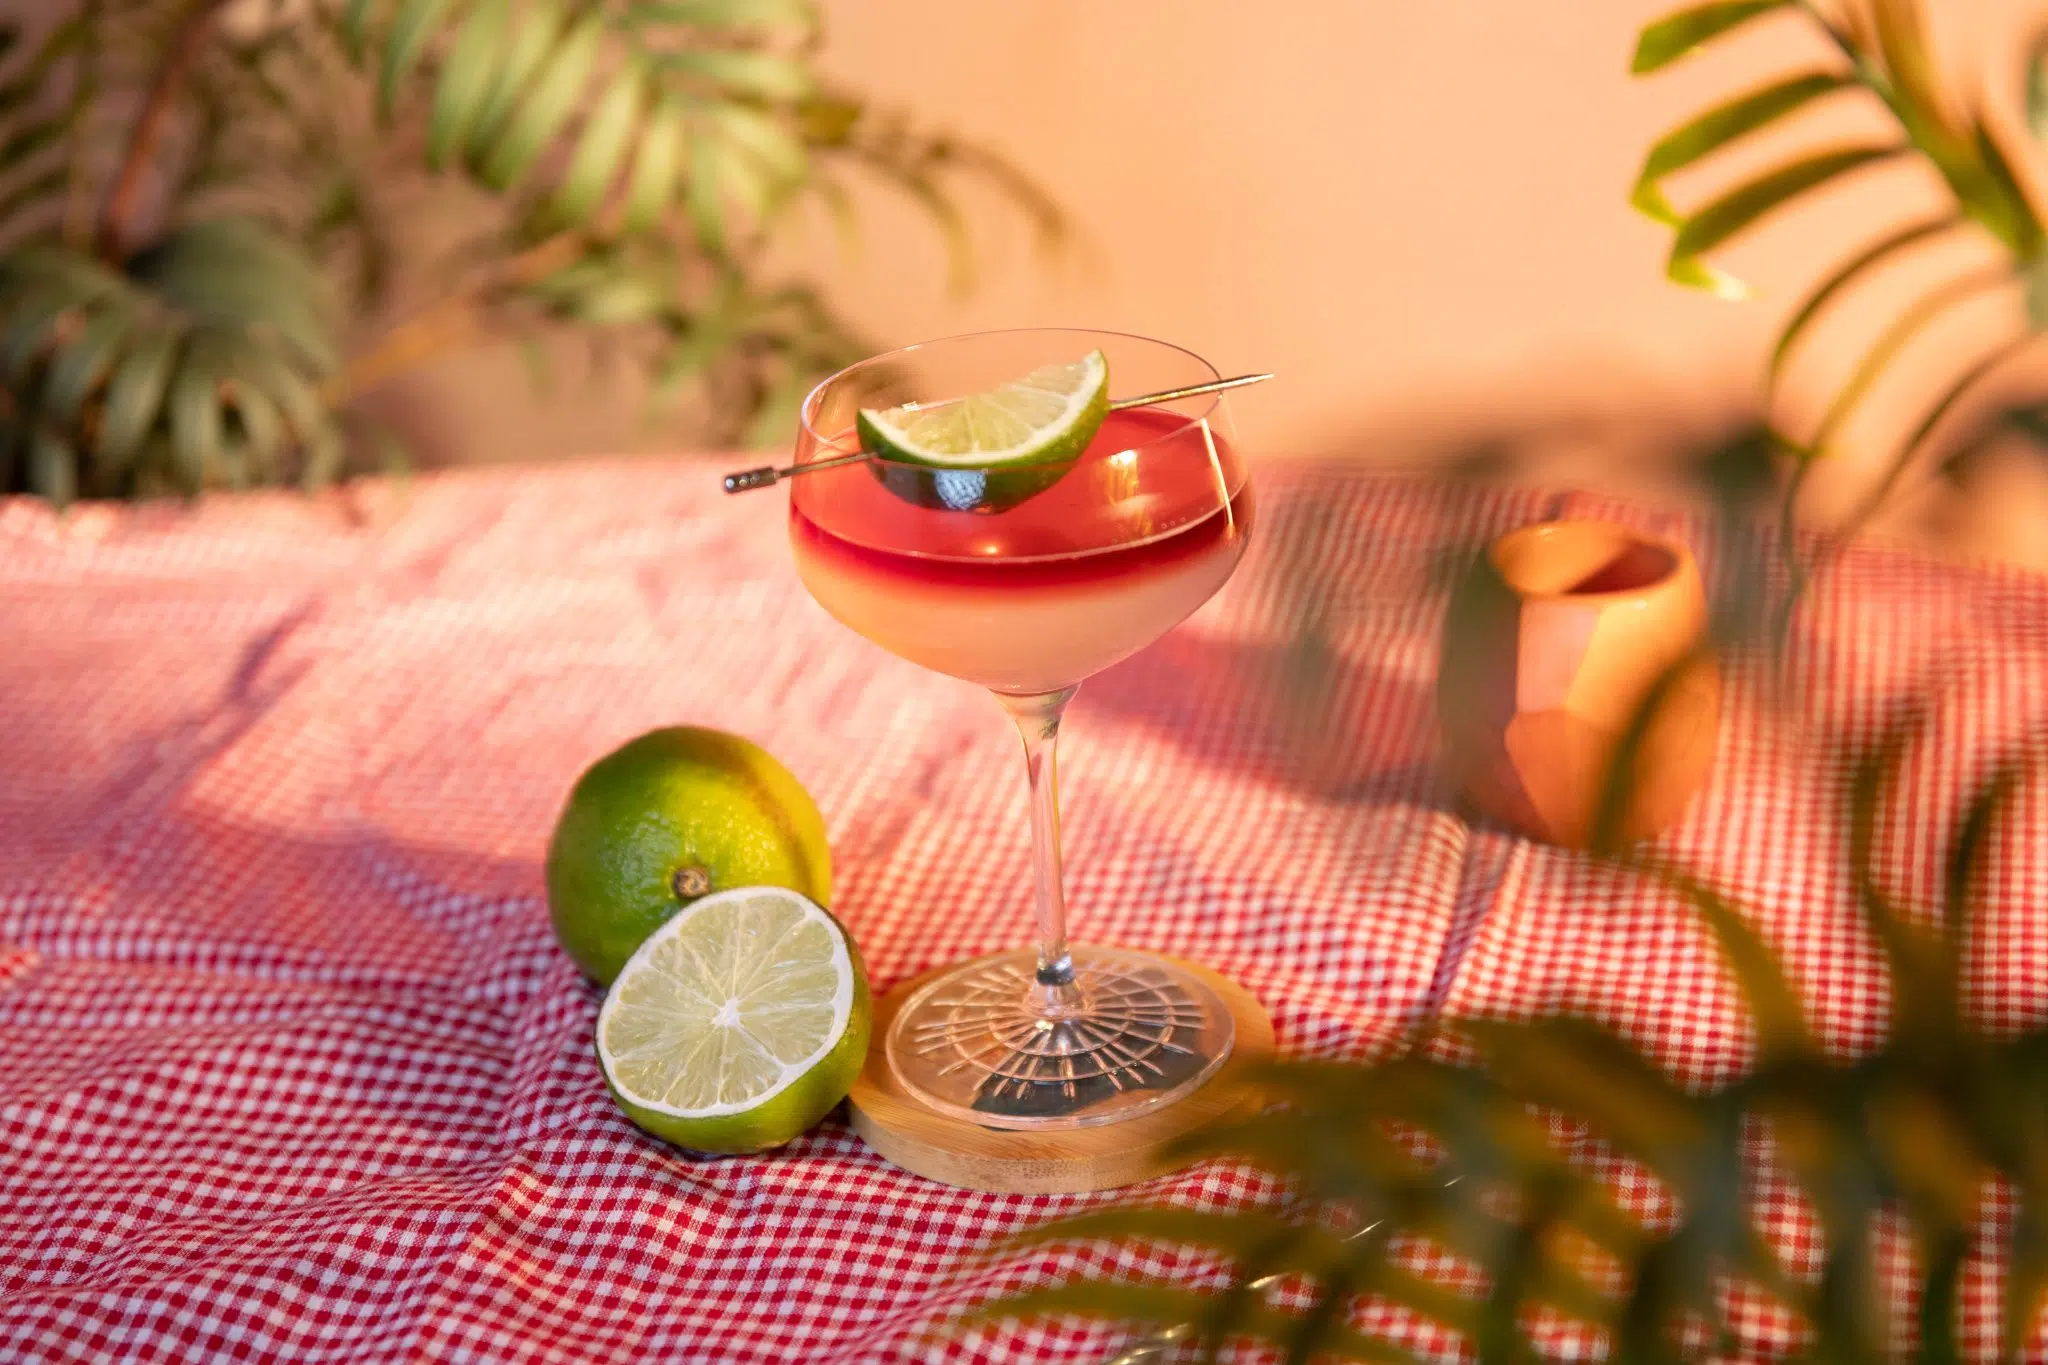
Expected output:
(665, 820)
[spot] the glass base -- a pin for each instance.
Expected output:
(1140, 1033)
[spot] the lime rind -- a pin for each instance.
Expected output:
(727, 1006)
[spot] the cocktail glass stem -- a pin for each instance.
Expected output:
(1054, 995)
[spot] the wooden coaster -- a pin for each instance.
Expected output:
(1055, 1161)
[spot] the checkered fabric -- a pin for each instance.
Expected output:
(290, 1067)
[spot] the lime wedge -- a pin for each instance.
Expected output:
(1047, 417)
(738, 1024)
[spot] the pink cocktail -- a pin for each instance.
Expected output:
(1049, 592)
(1027, 584)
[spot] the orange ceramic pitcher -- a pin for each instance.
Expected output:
(1561, 638)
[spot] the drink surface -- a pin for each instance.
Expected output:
(1145, 527)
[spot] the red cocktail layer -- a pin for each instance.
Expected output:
(1144, 529)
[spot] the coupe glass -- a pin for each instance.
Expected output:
(1027, 582)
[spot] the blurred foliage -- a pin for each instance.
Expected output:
(196, 195)
(1882, 55)
(1476, 1180)
(1399, 1169)
(1471, 1180)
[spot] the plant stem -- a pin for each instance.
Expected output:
(1866, 71)
(447, 322)
(188, 40)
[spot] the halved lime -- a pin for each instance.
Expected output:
(991, 450)
(738, 1024)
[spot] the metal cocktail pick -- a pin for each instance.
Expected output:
(768, 474)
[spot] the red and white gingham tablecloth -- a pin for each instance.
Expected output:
(290, 1068)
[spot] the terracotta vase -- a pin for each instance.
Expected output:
(1560, 639)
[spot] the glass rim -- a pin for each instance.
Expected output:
(824, 442)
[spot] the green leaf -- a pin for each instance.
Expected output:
(1717, 128)
(746, 182)
(1972, 836)
(829, 120)
(1677, 35)
(601, 155)
(1644, 1335)
(52, 468)
(1902, 459)
(1926, 1010)
(1846, 274)
(1774, 1004)
(234, 465)
(625, 299)
(30, 139)
(79, 366)
(763, 137)
(465, 81)
(415, 22)
(1930, 1156)
(657, 166)
(1333, 1298)
(2026, 1288)
(1577, 1066)
(290, 391)
(194, 406)
(355, 27)
(733, 14)
(1157, 1305)
(607, 292)
(766, 75)
(135, 394)
(325, 451)
(1893, 339)
(570, 282)
(2006, 211)
(1848, 1310)
(29, 329)
(1733, 212)
(1238, 1233)
(706, 202)
(953, 227)
(45, 265)
(1902, 41)
(542, 110)
(263, 430)
(243, 278)
(532, 40)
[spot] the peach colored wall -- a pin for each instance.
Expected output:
(1413, 210)
(1401, 203)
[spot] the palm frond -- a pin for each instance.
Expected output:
(1909, 1135)
(1883, 54)
(602, 116)
(630, 162)
(198, 368)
